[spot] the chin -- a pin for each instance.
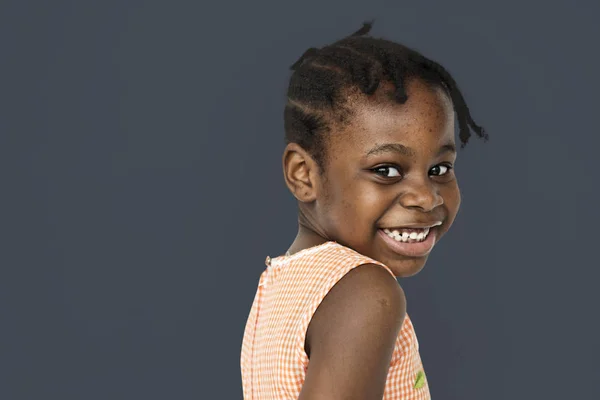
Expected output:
(407, 268)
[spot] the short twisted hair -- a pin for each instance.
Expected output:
(323, 79)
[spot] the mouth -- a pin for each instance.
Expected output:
(410, 241)
(408, 235)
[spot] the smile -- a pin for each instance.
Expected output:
(408, 235)
(409, 242)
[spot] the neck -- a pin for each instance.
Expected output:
(306, 237)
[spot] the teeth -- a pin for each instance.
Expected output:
(406, 236)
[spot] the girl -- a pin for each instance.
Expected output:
(369, 128)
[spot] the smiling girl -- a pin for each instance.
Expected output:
(370, 153)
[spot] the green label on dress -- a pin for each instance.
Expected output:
(420, 381)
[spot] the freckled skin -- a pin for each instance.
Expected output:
(349, 201)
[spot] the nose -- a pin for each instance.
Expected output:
(421, 194)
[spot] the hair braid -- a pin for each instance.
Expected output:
(323, 78)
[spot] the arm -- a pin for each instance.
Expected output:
(351, 337)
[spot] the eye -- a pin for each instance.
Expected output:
(441, 169)
(387, 171)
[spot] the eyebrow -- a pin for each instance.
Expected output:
(407, 151)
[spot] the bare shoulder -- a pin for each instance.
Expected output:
(351, 337)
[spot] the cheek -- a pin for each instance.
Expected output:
(363, 207)
(350, 207)
(374, 203)
(335, 206)
(452, 198)
(347, 204)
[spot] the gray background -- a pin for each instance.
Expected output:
(142, 189)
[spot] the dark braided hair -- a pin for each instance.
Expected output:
(321, 86)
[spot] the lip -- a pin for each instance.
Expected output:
(415, 249)
(416, 226)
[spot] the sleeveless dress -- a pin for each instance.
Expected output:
(273, 360)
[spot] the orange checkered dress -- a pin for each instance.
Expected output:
(273, 360)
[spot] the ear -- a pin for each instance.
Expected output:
(301, 173)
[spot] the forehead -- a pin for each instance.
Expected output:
(424, 122)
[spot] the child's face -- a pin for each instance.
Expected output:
(359, 197)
